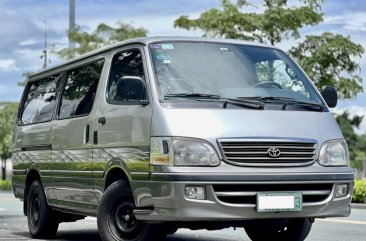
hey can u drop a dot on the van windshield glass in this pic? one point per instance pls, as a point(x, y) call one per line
point(188, 70)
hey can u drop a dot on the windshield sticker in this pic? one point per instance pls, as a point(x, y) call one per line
point(167, 61)
point(162, 56)
point(155, 46)
point(167, 46)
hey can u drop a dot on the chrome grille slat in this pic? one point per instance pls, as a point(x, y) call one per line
point(255, 153)
point(266, 144)
point(247, 193)
point(264, 152)
point(269, 158)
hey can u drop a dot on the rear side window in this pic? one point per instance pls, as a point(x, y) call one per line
point(40, 100)
point(126, 63)
point(79, 90)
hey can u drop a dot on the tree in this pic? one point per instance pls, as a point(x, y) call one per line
point(26, 76)
point(328, 59)
point(8, 112)
point(276, 21)
point(102, 36)
point(360, 159)
point(347, 125)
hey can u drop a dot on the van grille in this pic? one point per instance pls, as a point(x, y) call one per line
point(247, 193)
point(256, 153)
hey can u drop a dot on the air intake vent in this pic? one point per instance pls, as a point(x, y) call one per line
point(247, 193)
point(268, 153)
point(95, 137)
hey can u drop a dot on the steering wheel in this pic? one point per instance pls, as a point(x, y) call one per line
point(267, 84)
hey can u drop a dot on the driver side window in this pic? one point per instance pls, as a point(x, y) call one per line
point(125, 64)
point(279, 72)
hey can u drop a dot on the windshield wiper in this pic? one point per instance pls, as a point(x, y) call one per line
point(287, 101)
point(244, 103)
point(193, 95)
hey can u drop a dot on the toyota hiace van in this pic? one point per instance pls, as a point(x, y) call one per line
point(155, 134)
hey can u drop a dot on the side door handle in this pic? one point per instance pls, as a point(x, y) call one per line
point(102, 120)
point(87, 134)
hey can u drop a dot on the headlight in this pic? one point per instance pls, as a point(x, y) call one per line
point(182, 152)
point(334, 153)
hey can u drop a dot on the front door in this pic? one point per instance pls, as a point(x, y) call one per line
point(123, 123)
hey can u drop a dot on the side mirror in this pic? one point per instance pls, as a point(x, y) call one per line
point(131, 89)
point(330, 96)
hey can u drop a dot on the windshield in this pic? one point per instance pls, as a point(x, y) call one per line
point(201, 69)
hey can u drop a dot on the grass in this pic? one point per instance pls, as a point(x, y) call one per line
point(359, 194)
point(5, 185)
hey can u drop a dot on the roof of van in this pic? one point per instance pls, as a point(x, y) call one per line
point(146, 41)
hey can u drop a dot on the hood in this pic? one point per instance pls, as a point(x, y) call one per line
point(213, 124)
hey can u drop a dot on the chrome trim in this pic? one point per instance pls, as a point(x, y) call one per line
point(98, 173)
point(143, 211)
point(74, 189)
point(69, 171)
point(247, 194)
point(46, 171)
point(19, 171)
point(301, 156)
point(307, 204)
point(143, 175)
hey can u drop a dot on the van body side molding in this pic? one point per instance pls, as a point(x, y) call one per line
point(36, 148)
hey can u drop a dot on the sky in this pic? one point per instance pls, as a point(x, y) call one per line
point(22, 31)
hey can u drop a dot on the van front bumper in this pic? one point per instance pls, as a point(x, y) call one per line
point(166, 200)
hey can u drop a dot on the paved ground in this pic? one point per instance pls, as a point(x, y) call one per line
point(13, 226)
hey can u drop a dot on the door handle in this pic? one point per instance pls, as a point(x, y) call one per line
point(102, 120)
point(87, 136)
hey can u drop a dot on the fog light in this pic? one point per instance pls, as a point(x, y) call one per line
point(195, 193)
point(341, 190)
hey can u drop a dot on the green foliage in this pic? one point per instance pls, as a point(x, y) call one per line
point(359, 193)
point(26, 76)
point(329, 59)
point(8, 112)
point(276, 21)
point(5, 185)
point(347, 125)
point(102, 36)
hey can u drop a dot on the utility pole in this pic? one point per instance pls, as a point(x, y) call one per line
point(44, 55)
point(71, 22)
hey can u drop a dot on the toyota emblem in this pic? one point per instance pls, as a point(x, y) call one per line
point(274, 152)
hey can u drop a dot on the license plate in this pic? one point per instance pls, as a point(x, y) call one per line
point(279, 202)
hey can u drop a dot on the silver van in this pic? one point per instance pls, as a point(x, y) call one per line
point(155, 134)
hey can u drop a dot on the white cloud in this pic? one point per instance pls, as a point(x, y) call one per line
point(355, 110)
point(353, 21)
point(27, 42)
point(8, 65)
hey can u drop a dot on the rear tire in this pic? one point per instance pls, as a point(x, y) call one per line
point(116, 221)
point(41, 220)
point(283, 229)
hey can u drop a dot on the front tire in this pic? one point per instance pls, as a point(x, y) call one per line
point(41, 221)
point(283, 229)
point(116, 221)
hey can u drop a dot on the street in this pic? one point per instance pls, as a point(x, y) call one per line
point(13, 226)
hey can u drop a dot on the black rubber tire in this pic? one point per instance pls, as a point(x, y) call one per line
point(283, 229)
point(42, 222)
point(112, 226)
